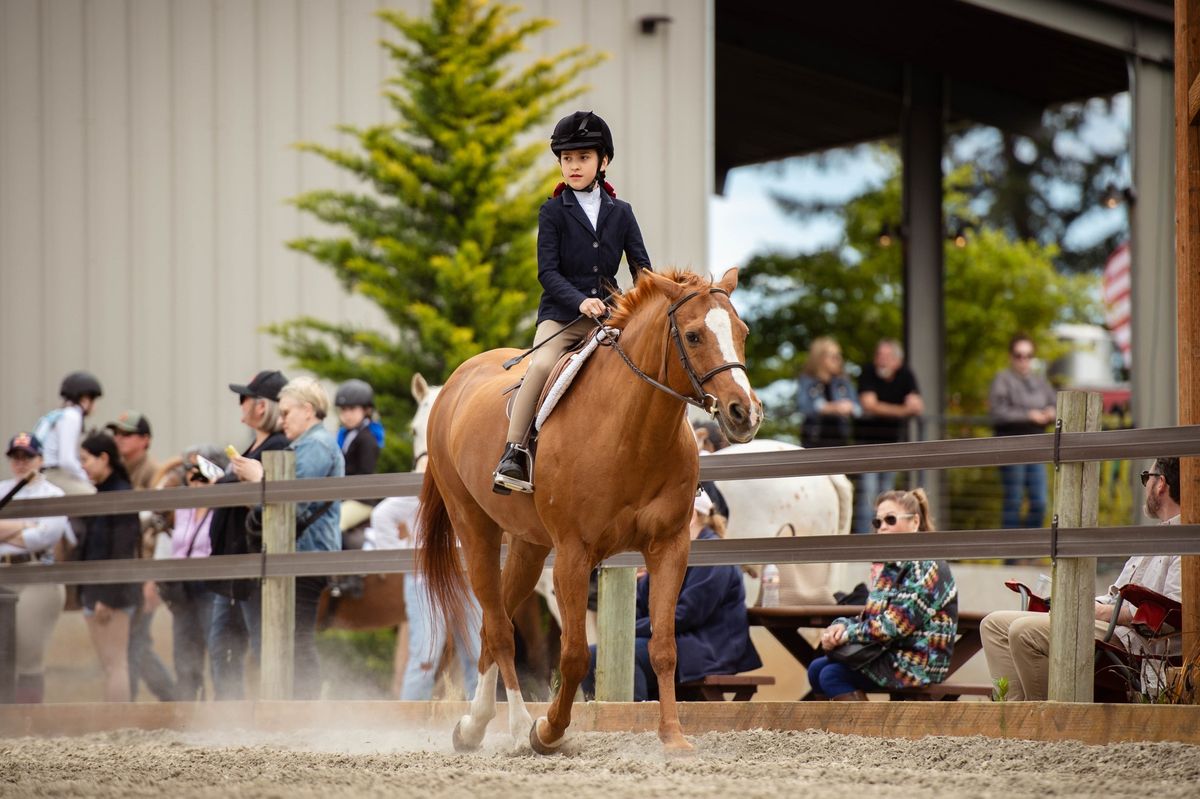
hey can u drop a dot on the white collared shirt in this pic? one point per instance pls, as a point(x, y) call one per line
point(590, 202)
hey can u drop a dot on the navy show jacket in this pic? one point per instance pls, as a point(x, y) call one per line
point(575, 262)
point(712, 632)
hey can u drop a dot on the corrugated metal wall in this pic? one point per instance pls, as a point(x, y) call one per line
point(146, 163)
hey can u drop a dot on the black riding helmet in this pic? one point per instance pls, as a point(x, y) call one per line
point(354, 393)
point(77, 385)
point(582, 130)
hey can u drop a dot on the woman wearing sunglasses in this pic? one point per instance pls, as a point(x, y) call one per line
point(909, 623)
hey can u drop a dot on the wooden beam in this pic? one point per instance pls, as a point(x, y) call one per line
point(1187, 269)
point(616, 610)
point(1076, 504)
point(1193, 101)
point(1038, 721)
point(277, 673)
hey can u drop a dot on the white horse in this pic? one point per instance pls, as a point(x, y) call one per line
point(811, 505)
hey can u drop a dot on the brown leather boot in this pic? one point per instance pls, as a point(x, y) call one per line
point(853, 696)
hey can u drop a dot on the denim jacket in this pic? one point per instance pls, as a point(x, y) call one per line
point(318, 455)
point(819, 430)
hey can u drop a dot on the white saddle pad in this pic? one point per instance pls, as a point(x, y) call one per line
point(574, 364)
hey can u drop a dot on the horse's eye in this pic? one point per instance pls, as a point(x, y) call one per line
point(693, 338)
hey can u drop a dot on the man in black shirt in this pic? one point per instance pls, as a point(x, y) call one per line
point(887, 391)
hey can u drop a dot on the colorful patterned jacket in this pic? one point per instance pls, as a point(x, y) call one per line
point(913, 605)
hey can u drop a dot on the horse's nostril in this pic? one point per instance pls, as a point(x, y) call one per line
point(737, 413)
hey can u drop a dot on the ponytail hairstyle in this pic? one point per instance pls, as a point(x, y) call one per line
point(914, 501)
point(102, 443)
point(717, 522)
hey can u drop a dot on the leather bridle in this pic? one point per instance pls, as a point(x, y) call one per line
point(700, 399)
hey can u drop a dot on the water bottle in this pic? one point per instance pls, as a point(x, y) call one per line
point(770, 586)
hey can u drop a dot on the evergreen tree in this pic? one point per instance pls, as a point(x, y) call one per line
point(441, 236)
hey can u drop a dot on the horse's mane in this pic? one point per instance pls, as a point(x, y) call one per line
point(629, 302)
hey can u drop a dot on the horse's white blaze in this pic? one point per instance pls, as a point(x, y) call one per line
point(720, 323)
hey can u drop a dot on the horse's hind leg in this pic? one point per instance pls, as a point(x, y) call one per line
point(498, 650)
point(571, 569)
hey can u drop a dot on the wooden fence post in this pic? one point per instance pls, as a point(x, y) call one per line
point(1073, 616)
point(616, 610)
point(277, 672)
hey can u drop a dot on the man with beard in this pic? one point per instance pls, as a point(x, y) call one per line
point(1017, 643)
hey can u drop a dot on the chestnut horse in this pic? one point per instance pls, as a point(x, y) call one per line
point(616, 471)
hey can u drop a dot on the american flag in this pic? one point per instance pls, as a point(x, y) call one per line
point(1116, 292)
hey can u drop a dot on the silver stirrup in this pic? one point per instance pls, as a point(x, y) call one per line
point(513, 484)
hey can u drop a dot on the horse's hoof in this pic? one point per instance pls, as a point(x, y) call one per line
point(678, 748)
point(460, 744)
point(535, 740)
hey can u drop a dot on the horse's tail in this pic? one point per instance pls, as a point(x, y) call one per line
point(438, 558)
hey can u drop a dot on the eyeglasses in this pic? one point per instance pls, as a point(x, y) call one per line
point(890, 519)
point(1146, 475)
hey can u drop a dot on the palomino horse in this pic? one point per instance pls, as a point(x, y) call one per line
point(616, 471)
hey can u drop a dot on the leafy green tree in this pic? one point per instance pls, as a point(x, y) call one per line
point(853, 291)
point(440, 234)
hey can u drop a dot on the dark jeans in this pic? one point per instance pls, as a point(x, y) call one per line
point(834, 679)
point(1020, 481)
point(307, 662)
point(645, 682)
point(144, 663)
point(234, 625)
point(189, 634)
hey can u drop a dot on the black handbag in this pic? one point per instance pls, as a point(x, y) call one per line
point(858, 656)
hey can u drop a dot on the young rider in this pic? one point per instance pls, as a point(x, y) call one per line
point(582, 232)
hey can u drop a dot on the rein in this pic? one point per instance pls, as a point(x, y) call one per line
point(702, 400)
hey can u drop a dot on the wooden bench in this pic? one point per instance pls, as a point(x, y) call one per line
point(943, 692)
point(714, 687)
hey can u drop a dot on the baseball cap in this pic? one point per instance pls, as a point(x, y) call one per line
point(264, 385)
point(703, 504)
point(24, 442)
point(130, 422)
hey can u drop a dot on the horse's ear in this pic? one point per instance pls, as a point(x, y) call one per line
point(419, 387)
point(667, 287)
point(728, 280)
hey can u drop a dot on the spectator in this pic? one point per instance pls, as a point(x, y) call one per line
point(826, 397)
point(393, 525)
point(1022, 403)
point(61, 429)
point(303, 405)
point(236, 604)
point(360, 435)
point(889, 396)
point(712, 634)
point(360, 438)
point(710, 439)
point(1017, 643)
point(189, 600)
point(131, 431)
point(32, 541)
point(912, 610)
point(110, 608)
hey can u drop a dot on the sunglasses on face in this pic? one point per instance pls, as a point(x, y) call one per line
point(1023, 356)
point(1146, 475)
point(890, 520)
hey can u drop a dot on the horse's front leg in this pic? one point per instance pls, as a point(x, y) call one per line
point(667, 564)
point(571, 569)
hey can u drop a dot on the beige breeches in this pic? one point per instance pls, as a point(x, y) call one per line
point(38, 609)
point(541, 364)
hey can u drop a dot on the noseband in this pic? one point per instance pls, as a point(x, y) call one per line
point(700, 399)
